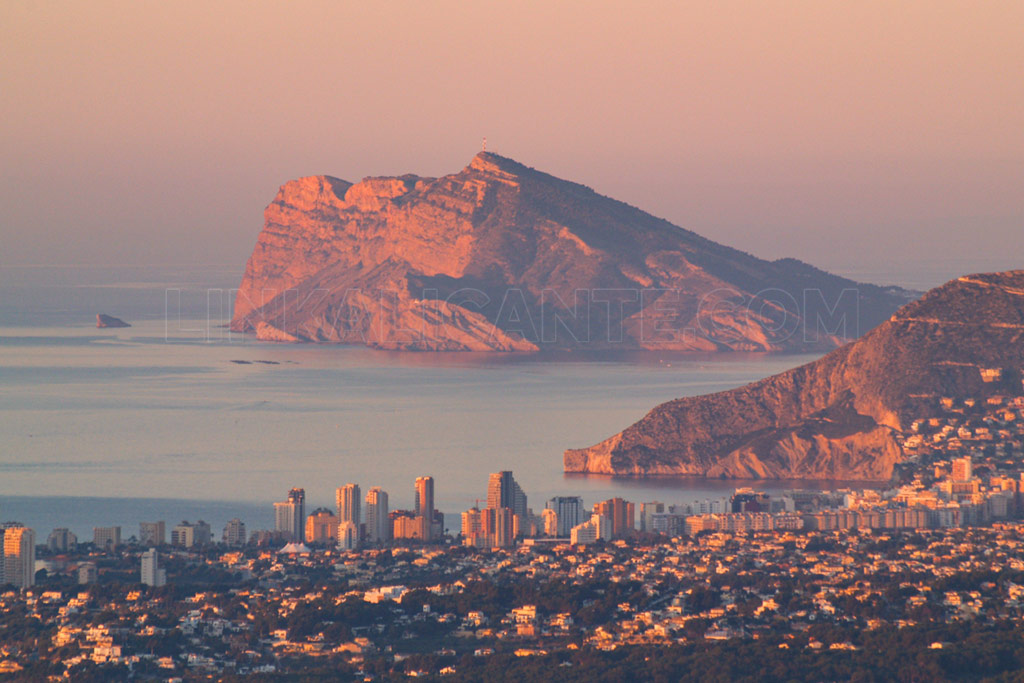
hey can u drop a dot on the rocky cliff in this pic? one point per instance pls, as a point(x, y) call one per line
point(835, 417)
point(502, 257)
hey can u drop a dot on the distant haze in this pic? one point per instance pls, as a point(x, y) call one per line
point(839, 133)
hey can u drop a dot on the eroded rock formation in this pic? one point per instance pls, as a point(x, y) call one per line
point(501, 257)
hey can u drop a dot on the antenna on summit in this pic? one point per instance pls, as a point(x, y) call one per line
point(484, 149)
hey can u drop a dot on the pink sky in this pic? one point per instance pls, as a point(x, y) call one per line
point(836, 132)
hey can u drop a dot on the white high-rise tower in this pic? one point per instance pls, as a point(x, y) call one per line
point(349, 504)
point(378, 525)
point(152, 574)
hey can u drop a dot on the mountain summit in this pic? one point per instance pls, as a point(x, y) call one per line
point(837, 418)
point(502, 257)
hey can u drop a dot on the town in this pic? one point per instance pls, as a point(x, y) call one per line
point(363, 592)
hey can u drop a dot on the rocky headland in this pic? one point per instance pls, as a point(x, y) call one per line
point(838, 417)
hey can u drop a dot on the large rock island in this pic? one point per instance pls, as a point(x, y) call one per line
point(501, 257)
point(836, 418)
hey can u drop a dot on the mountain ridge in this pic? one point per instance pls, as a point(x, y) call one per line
point(939, 345)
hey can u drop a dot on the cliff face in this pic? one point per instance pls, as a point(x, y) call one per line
point(834, 418)
point(505, 258)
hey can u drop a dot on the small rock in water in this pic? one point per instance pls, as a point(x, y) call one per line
point(104, 320)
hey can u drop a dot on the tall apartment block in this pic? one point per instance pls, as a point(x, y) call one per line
point(152, 574)
point(19, 556)
point(378, 525)
point(106, 537)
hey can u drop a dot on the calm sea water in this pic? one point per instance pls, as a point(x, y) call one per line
point(159, 421)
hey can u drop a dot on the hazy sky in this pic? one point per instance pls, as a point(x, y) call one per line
point(836, 132)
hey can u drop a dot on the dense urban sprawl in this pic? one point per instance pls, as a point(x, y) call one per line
point(922, 579)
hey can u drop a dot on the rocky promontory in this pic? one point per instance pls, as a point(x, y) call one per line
point(501, 257)
point(838, 417)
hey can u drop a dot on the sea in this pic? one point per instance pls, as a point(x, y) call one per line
point(176, 418)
